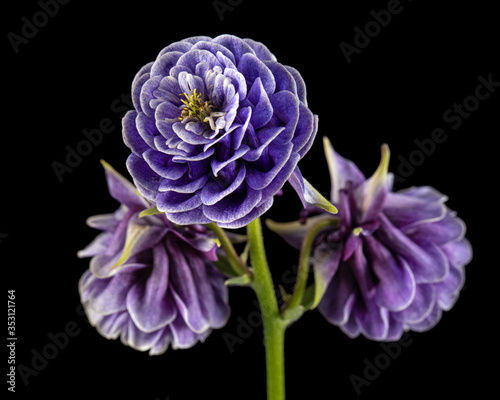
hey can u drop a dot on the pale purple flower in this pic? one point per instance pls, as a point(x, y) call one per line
point(151, 283)
point(394, 262)
point(218, 128)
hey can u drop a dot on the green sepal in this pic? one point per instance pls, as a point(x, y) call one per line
point(245, 253)
point(290, 315)
point(308, 300)
point(224, 266)
point(243, 280)
point(134, 234)
point(284, 295)
point(316, 199)
point(149, 211)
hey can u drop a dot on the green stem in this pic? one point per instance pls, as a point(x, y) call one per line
point(274, 327)
point(305, 253)
point(237, 263)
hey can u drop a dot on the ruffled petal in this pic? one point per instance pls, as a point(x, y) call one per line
point(341, 171)
point(428, 322)
point(427, 261)
point(448, 229)
point(184, 289)
point(122, 190)
point(233, 206)
point(396, 284)
point(421, 306)
point(372, 320)
point(340, 296)
point(148, 303)
point(142, 341)
point(112, 298)
point(406, 210)
point(140, 78)
point(111, 326)
point(182, 335)
point(371, 194)
point(309, 196)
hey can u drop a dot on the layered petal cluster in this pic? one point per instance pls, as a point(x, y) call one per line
point(218, 128)
point(394, 261)
point(150, 283)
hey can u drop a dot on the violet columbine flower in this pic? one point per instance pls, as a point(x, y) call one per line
point(218, 128)
point(394, 261)
point(151, 283)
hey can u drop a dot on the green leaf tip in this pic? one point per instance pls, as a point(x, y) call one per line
point(149, 211)
point(315, 198)
point(243, 280)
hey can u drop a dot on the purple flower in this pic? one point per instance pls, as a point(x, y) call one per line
point(218, 128)
point(394, 261)
point(151, 283)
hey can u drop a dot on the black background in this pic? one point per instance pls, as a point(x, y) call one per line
point(394, 91)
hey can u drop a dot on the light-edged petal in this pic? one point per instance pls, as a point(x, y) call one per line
point(148, 302)
point(294, 232)
point(309, 196)
point(341, 171)
point(396, 285)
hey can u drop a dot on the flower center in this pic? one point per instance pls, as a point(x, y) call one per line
point(195, 108)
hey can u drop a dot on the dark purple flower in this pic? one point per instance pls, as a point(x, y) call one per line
point(395, 260)
point(151, 283)
point(218, 128)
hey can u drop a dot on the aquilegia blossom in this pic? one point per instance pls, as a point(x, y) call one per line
point(151, 283)
point(218, 128)
point(394, 261)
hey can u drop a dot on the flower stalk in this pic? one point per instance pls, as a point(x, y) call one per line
point(238, 265)
point(274, 326)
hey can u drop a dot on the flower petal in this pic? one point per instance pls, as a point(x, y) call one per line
point(194, 216)
point(421, 306)
point(428, 263)
point(111, 326)
point(294, 232)
point(263, 110)
point(340, 296)
point(143, 175)
point(140, 236)
point(132, 336)
point(216, 312)
point(233, 206)
point(147, 301)
point(446, 230)
point(213, 192)
point(371, 194)
point(429, 322)
point(131, 136)
point(309, 196)
point(140, 78)
point(122, 190)
point(406, 211)
point(182, 335)
point(341, 171)
point(184, 288)
point(112, 298)
point(326, 261)
point(256, 212)
point(396, 284)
